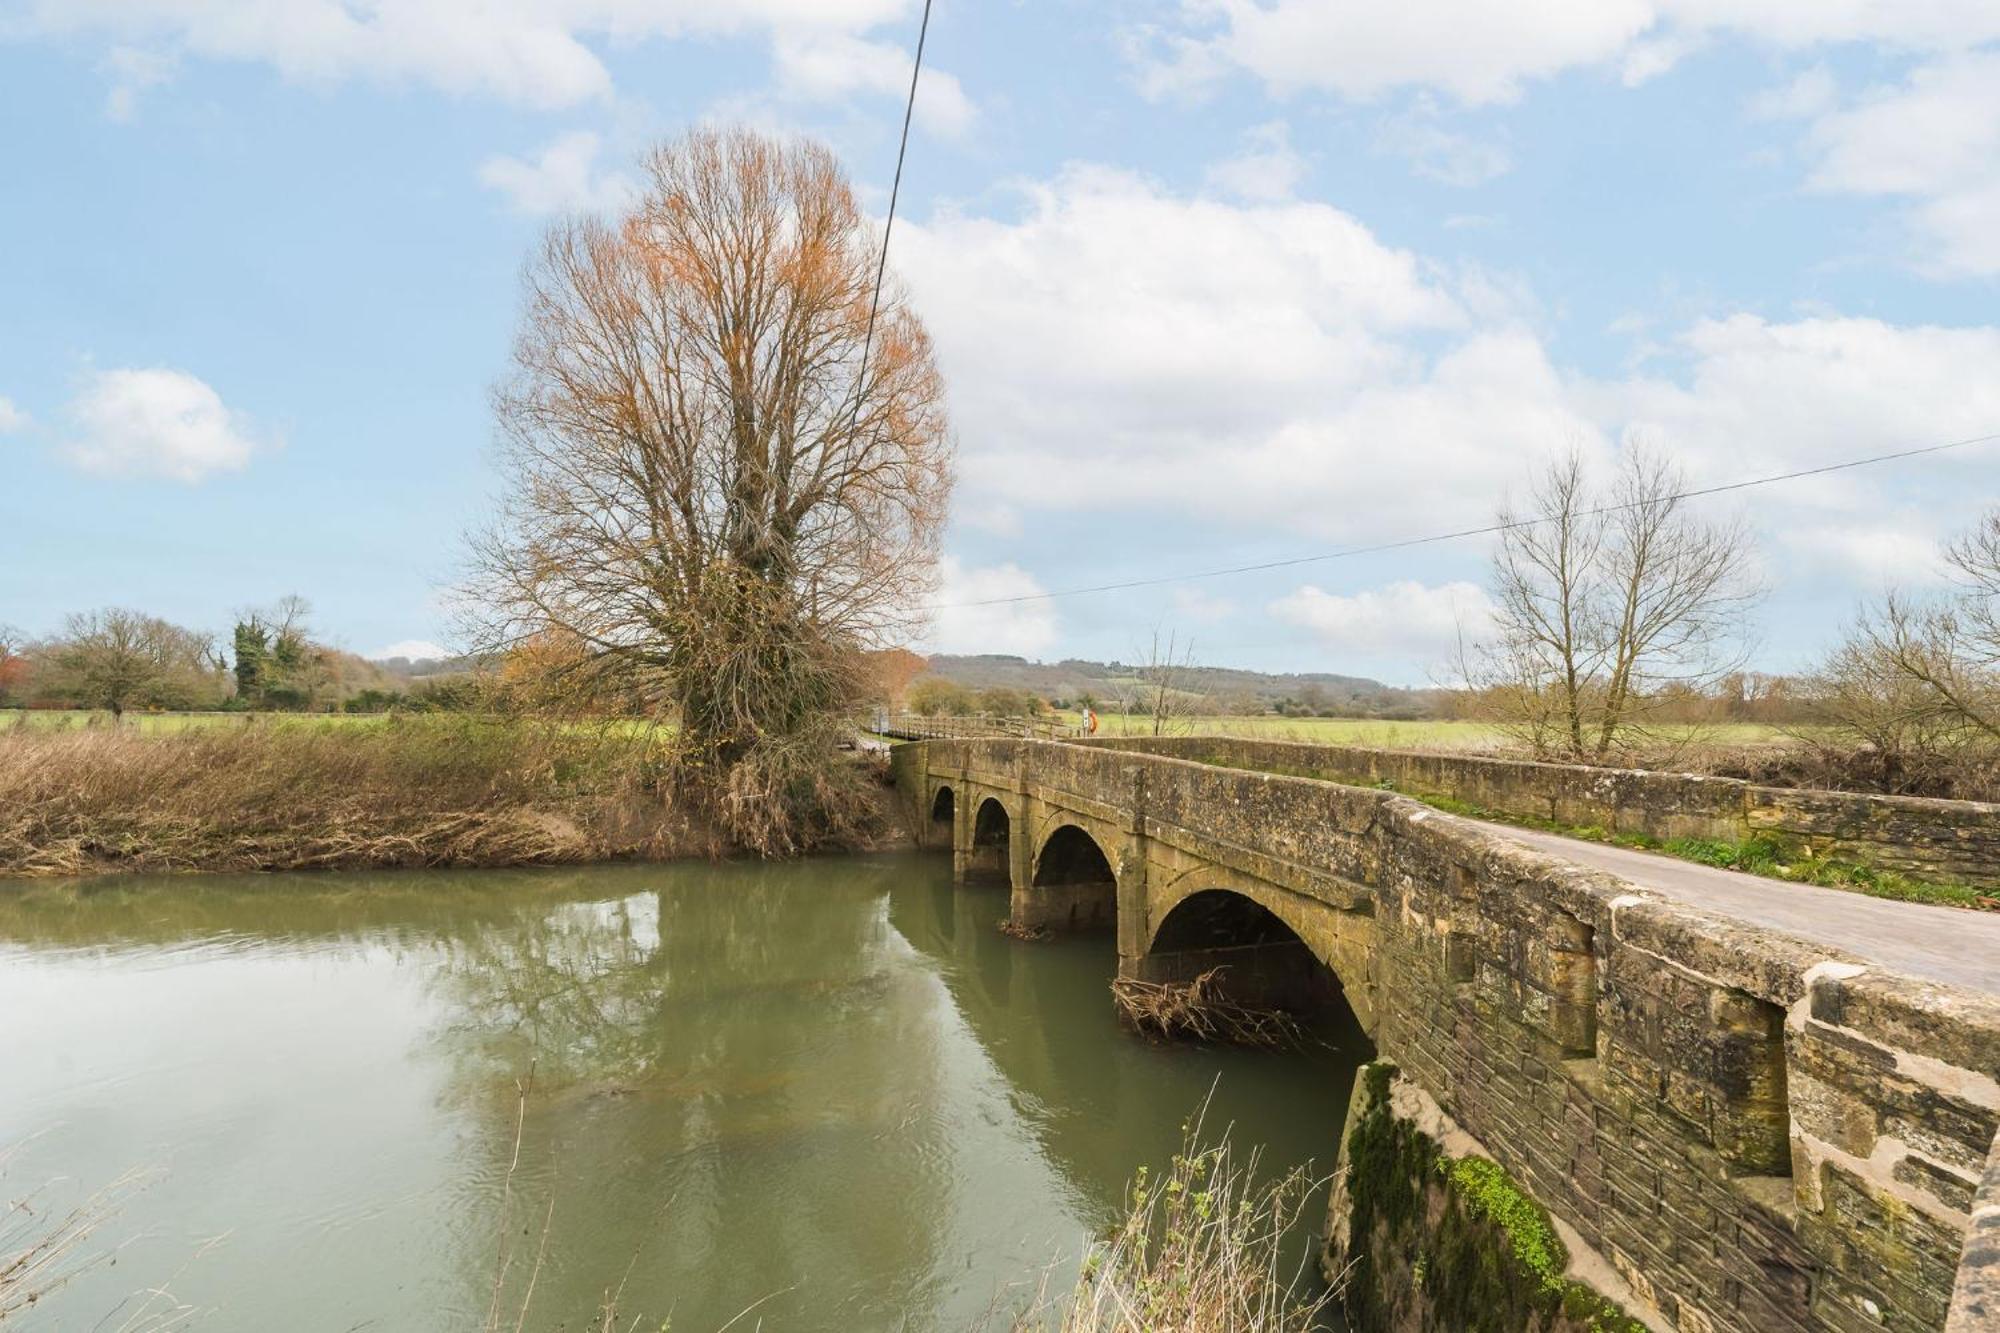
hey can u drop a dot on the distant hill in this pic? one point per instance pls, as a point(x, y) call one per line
point(1232, 690)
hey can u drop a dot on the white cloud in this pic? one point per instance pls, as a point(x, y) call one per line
point(1753, 398)
point(1477, 52)
point(1760, 397)
point(1924, 25)
point(533, 52)
point(1934, 139)
point(132, 71)
point(1027, 628)
point(1439, 154)
point(563, 178)
point(416, 650)
point(1808, 94)
point(156, 423)
point(1267, 171)
point(1406, 619)
point(1871, 554)
point(827, 66)
point(1274, 365)
point(1274, 369)
point(12, 418)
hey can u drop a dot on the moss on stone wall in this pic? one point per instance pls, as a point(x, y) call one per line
point(1452, 1243)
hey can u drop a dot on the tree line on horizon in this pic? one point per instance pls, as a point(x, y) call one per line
point(118, 660)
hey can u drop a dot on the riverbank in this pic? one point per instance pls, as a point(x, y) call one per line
point(406, 792)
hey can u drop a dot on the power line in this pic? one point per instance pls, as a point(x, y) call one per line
point(888, 225)
point(1434, 538)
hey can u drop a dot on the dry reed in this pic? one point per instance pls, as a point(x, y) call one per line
point(413, 792)
point(1203, 1249)
point(45, 1246)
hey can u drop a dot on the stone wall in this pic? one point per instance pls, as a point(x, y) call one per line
point(1975, 1306)
point(1754, 1133)
point(1946, 841)
point(1426, 1232)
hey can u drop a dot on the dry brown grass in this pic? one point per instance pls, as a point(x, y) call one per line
point(433, 791)
point(1203, 1248)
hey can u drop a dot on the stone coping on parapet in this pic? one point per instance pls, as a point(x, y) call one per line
point(1926, 838)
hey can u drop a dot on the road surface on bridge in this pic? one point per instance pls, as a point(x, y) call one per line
point(1950, 944)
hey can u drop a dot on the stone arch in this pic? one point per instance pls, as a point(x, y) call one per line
point(1277, 946)
point(943, 815)
point(992, 844)
point(1073, 885)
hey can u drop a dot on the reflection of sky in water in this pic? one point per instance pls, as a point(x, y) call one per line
point(829, 1084)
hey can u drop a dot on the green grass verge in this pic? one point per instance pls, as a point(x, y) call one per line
point(1756, 855)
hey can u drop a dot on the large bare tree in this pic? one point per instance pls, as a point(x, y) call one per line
point(1605, 600)
point(725, 479)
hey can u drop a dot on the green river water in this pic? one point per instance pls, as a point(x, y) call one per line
point(827, 1089)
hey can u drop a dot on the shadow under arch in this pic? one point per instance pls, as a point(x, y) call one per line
point(1074, 886)
point(992, 837)
point(1258, 959)
point(944, 810)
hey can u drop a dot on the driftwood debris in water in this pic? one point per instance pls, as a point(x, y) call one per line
point(1196, 1011)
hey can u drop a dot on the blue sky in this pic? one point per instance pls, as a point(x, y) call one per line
point(1212, 283)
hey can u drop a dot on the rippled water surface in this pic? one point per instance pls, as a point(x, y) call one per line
point(830, 1087)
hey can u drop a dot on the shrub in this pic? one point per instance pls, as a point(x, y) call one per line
point(934, 696)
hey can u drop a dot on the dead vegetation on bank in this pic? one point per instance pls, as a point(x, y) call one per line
point(1209, 1246)
point(411, 793)
point(1199, 1011)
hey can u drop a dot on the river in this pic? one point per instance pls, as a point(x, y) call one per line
point(829, 1090)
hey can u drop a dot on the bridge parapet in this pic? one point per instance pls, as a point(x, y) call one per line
point(1955, 841)
point(1754, 1132)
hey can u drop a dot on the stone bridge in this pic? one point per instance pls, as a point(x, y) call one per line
point(1732, 1129)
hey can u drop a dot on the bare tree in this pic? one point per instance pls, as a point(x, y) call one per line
point(1607, 601)
point(115, 659)
point(1916, 683)
point(720, 482)
point(1164, 695)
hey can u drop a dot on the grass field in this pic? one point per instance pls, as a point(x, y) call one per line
point(1434, 734)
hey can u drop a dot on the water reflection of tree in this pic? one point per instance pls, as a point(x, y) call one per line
point(611, 991)
point(393, 909)
point(735, 1068)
